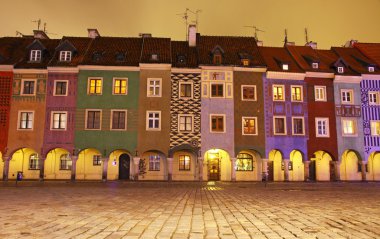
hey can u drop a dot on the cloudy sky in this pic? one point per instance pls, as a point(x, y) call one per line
point(329, 22)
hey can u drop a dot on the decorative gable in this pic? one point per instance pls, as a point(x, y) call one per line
point(340, 65)
point(36, 51)
point(245, 58)
point(217, 55)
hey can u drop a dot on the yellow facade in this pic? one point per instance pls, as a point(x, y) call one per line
point(114, 163)
point(255, 174)
point(349, 167)
point(52, 169)
point(181, 173)
point(374, 167)
point(322, 166)
point(158, 171)
point(20, 162)
point(1, 165)
point(224, 170)
point(298, 172)
point(86, 169)
point(276, 157)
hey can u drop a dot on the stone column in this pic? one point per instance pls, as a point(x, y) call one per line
point(74, 160)
point(136, 170)
point(6, 160)
point(233, 170)
point(337, 170)
point(170, 169)
point(306, 170)
point(265, 170)
point(286, 170)
point(200, 163)
point(364, 172)
point(105, 168)
point(41, 162)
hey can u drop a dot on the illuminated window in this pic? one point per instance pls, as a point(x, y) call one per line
point(58, 120)
point(35, 55)
point(371, 69)
point(65, 56)
point(154, 57)
point(184, 163)
point(185, 90)
point(65, 162)
point(340, 69)
point(347, 96)
point(154, 87)
point(244, 162)
point(373, 98)
point(245, 62)
point(349, 127)
point(249, 125)
point(278, 92)
point(285, 67)
point(96, 160)
point(315, 65)
point(296, 93)
point(217, 123)
point(119, 119)
point(153, 120)
point(34, 163)
point(322, 127)
point(154, 163)
point(93, 119)
point(120, 86)
point(95, 86)
point(298, 126)
point(248, 92)
point(375, 127)
point(60, 88)
point(185, 123)
point(320, 93)
point(26, 120)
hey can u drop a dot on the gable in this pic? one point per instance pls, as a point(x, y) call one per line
point(66, 46)
point(36, 45)
point(217, 49)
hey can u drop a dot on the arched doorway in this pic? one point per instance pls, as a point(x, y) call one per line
point(218, 165)
point(297, 168)
point(58, 164)
point(349, 166)
point(248, 166)
point(89, 165)
point(320, 168)
point(124, 166)
point(275, 166)
point(374, 166)
point(119, 165)
point(27, 161)
point(1, 166)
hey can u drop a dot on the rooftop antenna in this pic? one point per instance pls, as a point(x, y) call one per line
point(255, 31)
point(286, 36)
point(185, 16)
point(196, 13)
point(306, 35)
point(47, 32)
point(19, 34)
point(38, 23)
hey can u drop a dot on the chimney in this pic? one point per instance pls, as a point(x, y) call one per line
point(290, 43)
point(93, 33)
point(39, 34)
point(350, 43)
point(312, 44)
point(192, 35)
point(145, 35)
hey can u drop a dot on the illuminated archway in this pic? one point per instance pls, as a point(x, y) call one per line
point(248, 166)
point(89, 165)
point(297, 169)
point(374, 166)
point(114, 168)
point(275, 166)
point(153, 166)
point(1, 166)
point(58, 164)
point(24, 160)
point(349, 166)
point(218, 165)
point(320, 166)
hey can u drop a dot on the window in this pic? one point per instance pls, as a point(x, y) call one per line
point(278, 92)
point(248, 92)
point(217, 123)
point(373, 98)
point(65, 56)
point(315, 65)
point(217, 59)
point(96, 160)
point(154, 87)
point(26, 120)
point(340, 69)
point(349, 127)
point(347, 96)
point(285, 67)
point(95, 86)
point(154, 57)
point(93, 119)
point(296, 93)
point(298, 126)
point(375, 127)
point(185, 90)
point(322, 127)
point(184, 163)
point(185, 123)
point(154, 163)
point(60, 88)
point(58, 120)
point(320, 93)
point(28, 87)
point(65, 162)
point(279, 124)
point(245, 62)
point(153, 120)
point(244, 162)
point(118, 121)
point(35, 55)
point(249, 125)
point(120, 86)
point(34, 163)
point(371, 69)
point(217, 90)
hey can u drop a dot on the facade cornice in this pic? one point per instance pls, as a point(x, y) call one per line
point(155, 66)
point(217, 68)
point(319, 74)
point(347, 79)
point(63, 69)
point(260, 69)
point(30, 71)
point(186, 70)
point(6, 67)
point(285, 75)
point(370, 77)
point(109, 68)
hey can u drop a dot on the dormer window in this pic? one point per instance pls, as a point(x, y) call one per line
point(217, 59)
point(181, 59)
point(65, 56)
point(154, 57)
point(96, 56)
point(340, 69)
point(35, 55)
point(315, 65)
point(245, 62)
point(371, 69)
point(120, 57)
point(285, 66)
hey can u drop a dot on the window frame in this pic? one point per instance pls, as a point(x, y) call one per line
point(224, 123)
point(371, 69)
point(147, 120)
point(100, 120)
point(184, 163)
point(377, 94)
point(323, 88)
point(52, 120)
point(274, 125)
point(315, 65)
point(303, 125)
point(291, 93)
point(154, 162)
point(67, 159)
point(97, 160)
point(159, 85)
point(114, 79)
point(37, 162)
point(34, 87)
point(191, 90)
point(285, 66)
point(19, 120)
point(283, 92)
point(217, 83)
point(340, 69)
point(63, 55)
point(241, 158)
point(89, 85)
point(37, 57)
point(351, 94)
point(355, 127)
point(374, 122)
point(125, 119)
point(192, 123)
point(242, 125)
point(248, 86)
point(55, 87)
point(323, 119)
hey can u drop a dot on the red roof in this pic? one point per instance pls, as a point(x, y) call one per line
point(371, 50)
point(156, 46)
point(305, 56)
point(356, 60)
point(330, 58)
point(183, 56)
point(81, 45)
point(274, 57)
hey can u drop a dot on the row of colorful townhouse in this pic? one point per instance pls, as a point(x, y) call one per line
point(210, 108)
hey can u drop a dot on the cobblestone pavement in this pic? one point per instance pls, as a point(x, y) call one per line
point(189, 210)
